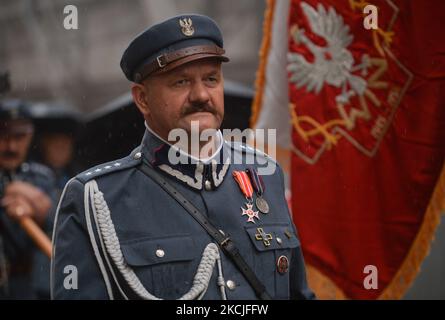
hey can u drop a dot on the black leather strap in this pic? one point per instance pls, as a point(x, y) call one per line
point(226, 244)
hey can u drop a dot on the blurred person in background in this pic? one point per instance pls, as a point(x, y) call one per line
point(57, 128)
point(26, 191)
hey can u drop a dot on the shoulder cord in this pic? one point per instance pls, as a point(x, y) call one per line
point(210, 256)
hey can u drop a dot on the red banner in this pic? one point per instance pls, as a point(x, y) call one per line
point(368, 136)
point(368, 114)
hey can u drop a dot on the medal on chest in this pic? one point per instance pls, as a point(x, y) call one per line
point(258, 186)
point(243, 181)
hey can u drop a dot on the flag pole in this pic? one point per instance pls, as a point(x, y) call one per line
point(37, 235)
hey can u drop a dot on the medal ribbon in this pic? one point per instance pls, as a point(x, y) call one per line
point(243, 181)
point(256, 181)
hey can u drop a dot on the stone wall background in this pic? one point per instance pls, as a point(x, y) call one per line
point(81, 67)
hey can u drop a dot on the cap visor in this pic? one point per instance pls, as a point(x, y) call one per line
point(188, 59)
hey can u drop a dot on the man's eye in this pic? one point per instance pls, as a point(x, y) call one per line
point(181, 82)
point(212, 80)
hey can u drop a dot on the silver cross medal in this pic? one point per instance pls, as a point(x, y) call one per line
point(250, 212)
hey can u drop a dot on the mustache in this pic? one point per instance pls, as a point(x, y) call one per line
point(9, 154)
point(201, 107)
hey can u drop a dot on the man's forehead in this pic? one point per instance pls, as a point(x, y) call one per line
point(20, 126)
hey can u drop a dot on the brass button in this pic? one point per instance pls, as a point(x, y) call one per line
point(160, 253)
point(208, 185)
point(137, 156)
point(279, 240)
point(231, 284)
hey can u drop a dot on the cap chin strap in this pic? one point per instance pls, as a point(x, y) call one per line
point(164, 60)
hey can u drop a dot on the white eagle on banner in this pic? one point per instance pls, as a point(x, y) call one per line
point(334, 63)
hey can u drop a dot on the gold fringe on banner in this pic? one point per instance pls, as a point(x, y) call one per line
point(421, 245)
point(322, 286)
point(264, 54)
point(325, 288)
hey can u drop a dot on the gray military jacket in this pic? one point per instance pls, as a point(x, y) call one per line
point(119, 235)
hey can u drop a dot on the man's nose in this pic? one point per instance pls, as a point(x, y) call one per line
point(11, 144)
point(199, 93)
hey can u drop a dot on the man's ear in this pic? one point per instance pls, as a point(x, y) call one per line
point(139, 92)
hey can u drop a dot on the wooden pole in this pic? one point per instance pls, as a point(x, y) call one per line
point(40, 238)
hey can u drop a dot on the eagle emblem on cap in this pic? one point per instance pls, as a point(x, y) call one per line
point(187, 26)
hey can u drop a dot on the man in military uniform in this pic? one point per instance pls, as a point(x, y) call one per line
point(143, 227)
point(26, 189)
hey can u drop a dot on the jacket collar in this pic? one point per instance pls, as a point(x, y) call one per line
point(199, 174)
